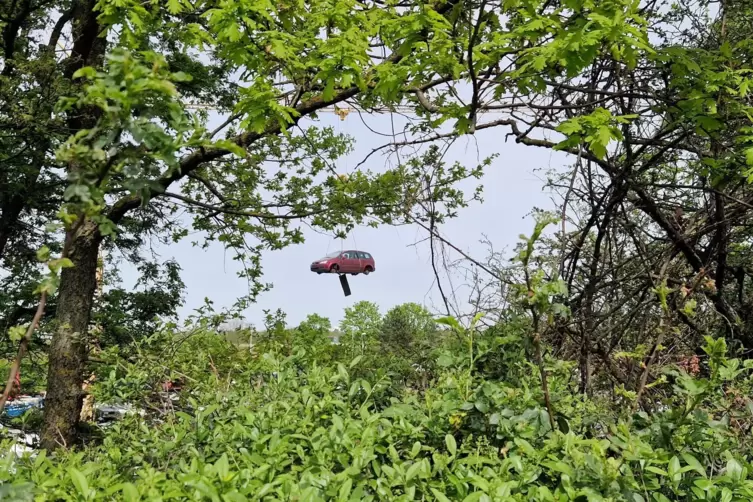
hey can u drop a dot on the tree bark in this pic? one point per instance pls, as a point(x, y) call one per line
point(67, 356)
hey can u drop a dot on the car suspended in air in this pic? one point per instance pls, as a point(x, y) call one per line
point(351, 262)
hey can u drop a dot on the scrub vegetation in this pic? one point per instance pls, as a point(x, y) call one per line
point(606, 358)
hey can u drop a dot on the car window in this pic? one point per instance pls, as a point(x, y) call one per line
point(366, 256)
point(346, 256)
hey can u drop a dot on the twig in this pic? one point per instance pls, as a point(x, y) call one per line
point(445, 241)
point(537, 347)
point(564, 212)
point(663, 327)
point(434, 265)
point(544, 380)
point(23, 346)
point(227, 122)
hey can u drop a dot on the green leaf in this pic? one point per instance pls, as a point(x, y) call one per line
point(86, 72)
point(16, 333)
point(516, 462)
point(734, 470)
point(563, 424)
point(463, 125)
point(477, 318)
point(694, 464)
point(545, 494)
point(345, 489)
point(355, 362)
point(559, 466)
point(174, 6)
point(451, 322)
point(445, 360)
point(57, 265)
point(726, 495)
point(656, 470)
point(599, 150)
point(329, 89)
point(452, 446)
point(674, 469)
point(604, 136)
point(232, 147)
point(441, 497)
point(223, 467)
point(79, 481)
point(180, 76)
point(482, 405)
point(413, 471)
point(749, 157)
point(80, 192)
point(130, 493)
point(232, 32)
point(570, 127)
point(43, 254)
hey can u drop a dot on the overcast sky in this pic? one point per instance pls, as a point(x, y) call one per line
point(513, 185)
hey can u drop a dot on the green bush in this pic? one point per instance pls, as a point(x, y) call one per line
point(271, 427)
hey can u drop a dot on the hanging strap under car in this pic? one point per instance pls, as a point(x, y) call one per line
point(344, 284)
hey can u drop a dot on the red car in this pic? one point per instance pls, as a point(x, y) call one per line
point(345, 262)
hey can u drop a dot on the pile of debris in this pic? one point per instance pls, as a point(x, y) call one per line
point(24, 442)
point(17, 406)
point(102, 414)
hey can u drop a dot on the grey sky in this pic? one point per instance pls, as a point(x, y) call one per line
point(512, 187)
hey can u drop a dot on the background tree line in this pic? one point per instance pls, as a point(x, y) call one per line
point(404, 341)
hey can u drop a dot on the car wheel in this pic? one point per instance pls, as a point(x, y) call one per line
point(367, 271)
point(334, 269)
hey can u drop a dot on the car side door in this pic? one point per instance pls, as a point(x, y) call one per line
point(346, 263)
point(355, 262)
point(362, 260)
point(367, 261)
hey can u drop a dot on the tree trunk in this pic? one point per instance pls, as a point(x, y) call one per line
point(67, 357)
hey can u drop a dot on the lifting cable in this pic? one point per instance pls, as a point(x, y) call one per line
point(342, 113)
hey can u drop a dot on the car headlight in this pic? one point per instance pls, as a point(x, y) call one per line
point(322, 263)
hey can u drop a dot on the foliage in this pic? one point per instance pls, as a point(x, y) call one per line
point(122, 316)
point(408, 339)
point(128, 147)
point(313, 334)
point(100, 149)
point(360, 327)
point(267, 427)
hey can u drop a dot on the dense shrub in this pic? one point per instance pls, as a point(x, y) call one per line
point(272, 427)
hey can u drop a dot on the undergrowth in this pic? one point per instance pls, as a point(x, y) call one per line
point(269, 426)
